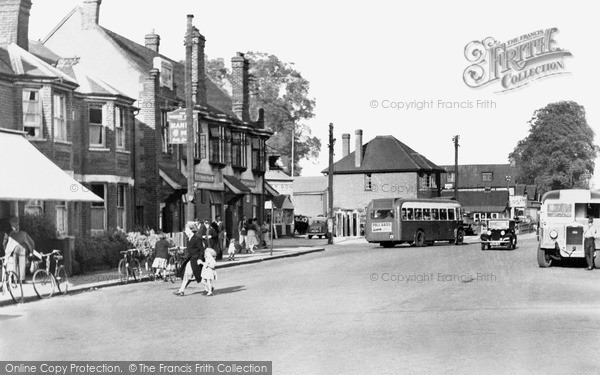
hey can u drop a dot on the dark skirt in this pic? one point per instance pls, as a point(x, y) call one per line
point(196, 268)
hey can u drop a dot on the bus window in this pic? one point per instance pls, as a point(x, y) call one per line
point(443, 214)
point(404, 214)
point(584, 210)
point(559, 209)
point(451, 214)
point(435, 214)
point(418, 214)
point(382, 214)
point(426, 214)
point(409, 214)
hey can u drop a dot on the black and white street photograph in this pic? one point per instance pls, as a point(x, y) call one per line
point(267, 187)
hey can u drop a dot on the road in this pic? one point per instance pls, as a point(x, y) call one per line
point(353, 309)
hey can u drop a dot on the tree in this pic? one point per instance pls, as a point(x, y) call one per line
point(559, 151)
point(281, 90)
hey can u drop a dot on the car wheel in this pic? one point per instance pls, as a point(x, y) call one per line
point(309, 236)
point(544, 259)
point(482, 246)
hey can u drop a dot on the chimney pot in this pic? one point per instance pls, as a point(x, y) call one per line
point(358, 153)
point(345, 144)
point(153, 41)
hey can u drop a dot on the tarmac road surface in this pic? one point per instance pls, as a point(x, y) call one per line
point(352, 309)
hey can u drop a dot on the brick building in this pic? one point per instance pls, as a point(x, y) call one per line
point(229, 157)
point(491, 190)
point(382, 168)
point(52, 100)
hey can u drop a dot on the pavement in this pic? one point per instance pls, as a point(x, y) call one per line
point(110, 277)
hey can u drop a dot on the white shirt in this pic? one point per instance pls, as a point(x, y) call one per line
point(590, 232)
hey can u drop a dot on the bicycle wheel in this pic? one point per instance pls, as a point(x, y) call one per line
point(43, 283)
point(62, 280)
point(123, 273)
point(15, 287)
point(134, 268)
point(170, 271)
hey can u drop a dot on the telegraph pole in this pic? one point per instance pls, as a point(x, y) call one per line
point(330, 188)
point(455, 140)
point(189, 118)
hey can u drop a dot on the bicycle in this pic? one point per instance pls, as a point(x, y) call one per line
point(174, 264)
point(10, 281)
point(129, 266)
point(44, 280)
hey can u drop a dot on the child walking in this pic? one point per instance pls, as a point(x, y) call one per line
point(231, 249)
point(208, 271)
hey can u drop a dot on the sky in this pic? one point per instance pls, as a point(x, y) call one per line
point(363, 59)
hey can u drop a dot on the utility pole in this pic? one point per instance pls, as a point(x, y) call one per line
point(455, 140)
point(330, 187)
point(189, 118)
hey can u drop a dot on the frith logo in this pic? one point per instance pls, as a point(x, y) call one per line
point(515, 63)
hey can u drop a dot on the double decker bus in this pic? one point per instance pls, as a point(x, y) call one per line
point(419, 222)
point(563, 218)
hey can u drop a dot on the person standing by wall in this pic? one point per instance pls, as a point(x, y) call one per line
point(253, 231)
point(589, 243)
point(220, 244)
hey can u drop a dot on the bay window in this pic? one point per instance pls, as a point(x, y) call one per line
point(97, 129)
point(32, 113)
point(59, 116)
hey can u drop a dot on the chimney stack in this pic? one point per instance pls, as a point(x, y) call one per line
point(358, 153)
point(14, 23)
point(90, 14)
point(198, 68)
point(345, 144)
point(240, 87)
point(153, 41)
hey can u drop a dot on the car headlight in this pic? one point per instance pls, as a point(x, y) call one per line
point(502, 233)
point(489, 232)
point(553, 234)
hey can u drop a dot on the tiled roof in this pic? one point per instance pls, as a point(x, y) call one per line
point(15, 60)
point(310, 184)
point(385, 154)
point(470, 175)
point(143, 57)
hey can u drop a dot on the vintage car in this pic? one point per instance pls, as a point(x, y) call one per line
point(499, 232)
point(317, 227)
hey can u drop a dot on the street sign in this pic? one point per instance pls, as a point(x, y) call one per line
point(178, 125)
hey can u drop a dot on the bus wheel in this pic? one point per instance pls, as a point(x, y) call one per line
point(387, 244)
point(544, 260)
point(460, 237)
point(419, 238)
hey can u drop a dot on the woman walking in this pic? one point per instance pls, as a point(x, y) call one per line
point(193, 264)
point(253, 231)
